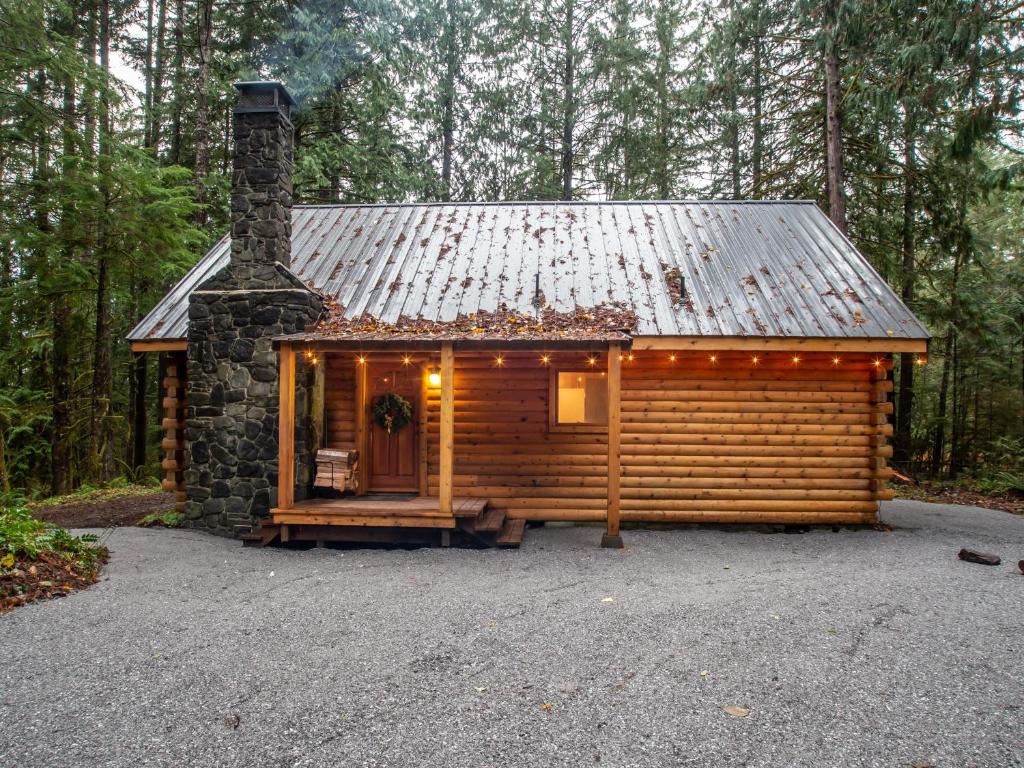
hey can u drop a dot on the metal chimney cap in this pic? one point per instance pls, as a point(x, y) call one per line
point(263, 95)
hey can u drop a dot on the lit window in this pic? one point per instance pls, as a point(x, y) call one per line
point(581, 398)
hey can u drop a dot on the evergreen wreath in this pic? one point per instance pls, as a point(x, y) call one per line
point(392, 412)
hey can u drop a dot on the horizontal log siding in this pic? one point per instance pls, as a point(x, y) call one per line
point(339, 402)
point(701, 442)
point(734, 441)
point(504, 451)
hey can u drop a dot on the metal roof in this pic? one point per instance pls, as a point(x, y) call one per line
point(751, 268)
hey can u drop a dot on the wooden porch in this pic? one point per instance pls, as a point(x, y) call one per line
point(427, 502)
point(421, 519)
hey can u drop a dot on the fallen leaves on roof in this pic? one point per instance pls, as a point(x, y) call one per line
point(604, 321)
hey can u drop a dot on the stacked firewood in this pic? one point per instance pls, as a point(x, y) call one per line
point(337, 469)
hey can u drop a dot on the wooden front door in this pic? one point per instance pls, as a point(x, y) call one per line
point(394, 458)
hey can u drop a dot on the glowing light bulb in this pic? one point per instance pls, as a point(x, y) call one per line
point(672, 358)
point(920, 360)
point(545, 359)
point(713, 358)
point(361, 360)
point(796, 360)
point(434, 377)
point(499, 360)
point(592, 360)
point(755, 359)
point(835, 361)
point(406, 360)
point(630, 357)
point(877, 363)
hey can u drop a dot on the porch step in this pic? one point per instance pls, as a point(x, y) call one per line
point(262, 536)
point(469, 507)
point(490, 521)
point(511, 533)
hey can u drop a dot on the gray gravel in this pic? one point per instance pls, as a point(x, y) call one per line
point(857, 648)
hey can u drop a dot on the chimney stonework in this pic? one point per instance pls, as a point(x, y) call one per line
point(231, 433)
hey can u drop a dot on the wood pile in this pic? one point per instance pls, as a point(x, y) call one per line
point(337, 469)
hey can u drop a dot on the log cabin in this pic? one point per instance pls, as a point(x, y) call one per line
point(474, 366)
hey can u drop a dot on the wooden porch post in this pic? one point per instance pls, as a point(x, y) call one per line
point(286, 429)
point(447, 427)
point(612, 539)
point(362, 429)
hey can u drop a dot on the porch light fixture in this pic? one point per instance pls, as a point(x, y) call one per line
point(434, 376)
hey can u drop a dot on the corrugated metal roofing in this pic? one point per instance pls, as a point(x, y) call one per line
point(751, 268)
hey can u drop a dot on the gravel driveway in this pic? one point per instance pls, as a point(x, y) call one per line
point(854, 648)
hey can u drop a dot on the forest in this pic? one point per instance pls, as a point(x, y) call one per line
point(901, 119)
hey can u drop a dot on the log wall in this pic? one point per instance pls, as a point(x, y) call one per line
point(172, 387)
point(717, 437)
point(727, 440)
point(339, 402)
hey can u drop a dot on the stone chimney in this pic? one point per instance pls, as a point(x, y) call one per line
point(261, 185)
point(232, 398)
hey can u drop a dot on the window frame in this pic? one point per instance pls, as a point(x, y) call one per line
point(553, 423)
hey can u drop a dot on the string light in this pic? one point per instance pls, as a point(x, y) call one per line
point(630, 357)
point(545, 359)
point(755, 359)
point(796, 359)
point(877, 363)
point(920, 360)
point(713, 359)
point(592, 360)
point(361, 360)
point(672, 358)
point(499, 361)
point(406, 360)
point(315, 360)
point(835, 361)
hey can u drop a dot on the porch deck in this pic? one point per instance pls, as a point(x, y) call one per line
point(384, 511)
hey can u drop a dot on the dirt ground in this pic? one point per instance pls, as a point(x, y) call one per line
point(105, 511)
point(935, 494)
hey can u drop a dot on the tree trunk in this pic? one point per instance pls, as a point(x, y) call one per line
point(448, 101)
point(757, 128)
point(60, 329)
point(939, 440)
point(147, 96)
point(568, 101)
point(100, 442)
point(902, 437)
point(834, 126)
point(663, 69)
point(732, 134)
point(178, 81)
point(202, 164)
point(158, 78)
point(139, 412)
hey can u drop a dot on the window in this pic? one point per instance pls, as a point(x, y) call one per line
point(579, 399)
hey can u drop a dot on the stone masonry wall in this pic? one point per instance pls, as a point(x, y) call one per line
point(233, 404)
